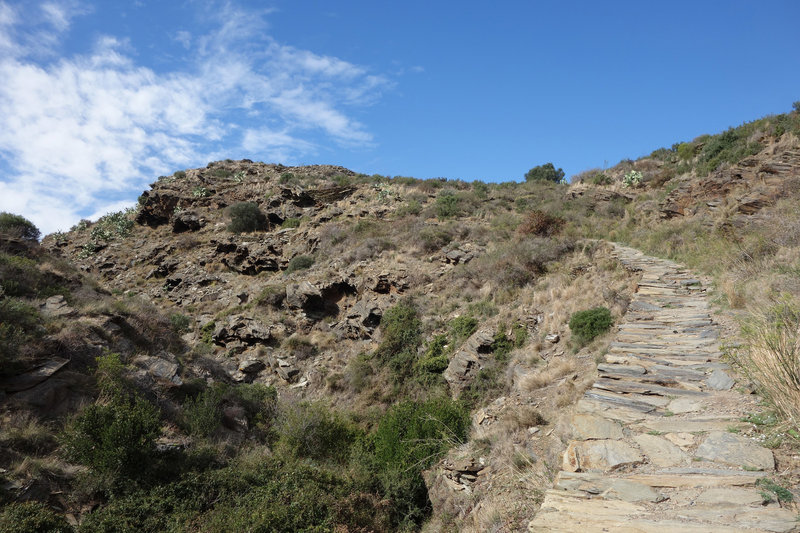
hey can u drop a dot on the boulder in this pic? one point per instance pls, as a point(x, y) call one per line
point(187, 221)
point(471, 358)
point(304, 296)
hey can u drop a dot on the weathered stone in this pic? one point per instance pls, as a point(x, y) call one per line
point(160, 368)
point(681, 439)
point(728, 497)
point(552, 338)
point(588, 426)
point(719, 380)
point(56, 306)
point(659, 451)
point(187, 221)
point(470, 359)
point(600, 455)
point(736, 450)
point(251, 366)
point(303, 295)
point(32, 378)
point(684, 405)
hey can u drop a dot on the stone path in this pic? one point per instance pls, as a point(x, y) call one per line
point(656, 441)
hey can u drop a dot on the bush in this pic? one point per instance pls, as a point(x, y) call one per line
point(291, 223)
point(632, 179)
point(434, 238)
point(300, 262)
point(540, 223)
point(246, 217)
point(115, 438)
point(314, 431)
point(602, 178)
point(546, 172)
point(409, 438)
point(112, 225)
point(462, 327)
point(588, 324)
point(18, 322)
point(202, 415)
point(32, 517)
point(19, 227)
point(402, 336)
point(447, 205)
point(796, 106)
point(180, 322)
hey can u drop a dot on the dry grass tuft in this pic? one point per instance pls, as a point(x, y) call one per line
point(548, 375)
point(772, 357)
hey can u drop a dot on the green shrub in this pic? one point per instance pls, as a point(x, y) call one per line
point(447, 204)
point(116, 437)
point(462, 327)
point(18, 226)
point(686, 151)
point(434, 238)
point(602, 178)
point(299, 346)
point(300, 262)
point(246, 217)
point(32, 517)
point(796, 106)
point(291, 223)
point(18, 322)
point(588, 324)
point(632, 179)
point(201, 192)
point(546, 172)
point(287, 177)
point(179, 175)
point(409, 438)
point(112, 225)
point(402, 336)
point(202, 414)
point(180, 322)
point(314, 431)
point(411, 207)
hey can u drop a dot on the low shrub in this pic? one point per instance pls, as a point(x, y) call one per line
point(588, 324)
point(180, 323)
point(540, 223)
point(447, 205)
point(409, 438)
point(18, 226)
point(402, 335)
point(300, 262)
point(546, 172)
point(314, 431)
point(434, 238)
point(246, 217)
point(30, 517)
point(462, 327)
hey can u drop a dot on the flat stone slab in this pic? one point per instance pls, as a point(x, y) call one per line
point(676, 425)
point(729, 497)
point(607, 487)
point(720, 380)
point(600, 455)
point(736, 450)
point(30, 379)
point(660, 451)
point(588, 426)
point(685, 405)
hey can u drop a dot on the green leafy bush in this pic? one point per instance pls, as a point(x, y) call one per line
point(447, 204)
point(291, 223)
point(462, 327)
point(31, 517)
point(546, 172)
point(18, 226)
point(632, 179)
point(314, 431)
point(409, 438)
point(246, 217)
point(18, 322)
point(300, 262)
point(180, 322)
point(112, 225)
point(402, 336)
point(602, 178)
point(588, 324)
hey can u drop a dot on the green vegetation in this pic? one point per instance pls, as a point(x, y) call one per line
point(246, 217)
point(588, 324)
point(402, 336)
point(546, 172)
point(409, 439)
point(300, 262)
point(291, 223)
point(771, 491)
point(18, 226)
point(447, 205)
point(111, 226)
point(32, 517)
point(115, 436)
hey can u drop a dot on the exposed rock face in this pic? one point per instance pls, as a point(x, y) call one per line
point(470, 359)
point(241, 330)
point(751, 185)
point(250, 258)
point(157, 206)
point(187, 221)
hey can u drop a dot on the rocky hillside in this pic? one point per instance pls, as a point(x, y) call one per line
point(401, 349)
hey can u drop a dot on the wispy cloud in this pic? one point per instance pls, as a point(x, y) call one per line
point(87, 131)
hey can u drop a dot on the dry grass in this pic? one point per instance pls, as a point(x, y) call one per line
point(548, 375)
point(772, 357)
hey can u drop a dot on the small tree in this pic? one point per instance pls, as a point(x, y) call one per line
point(796, 106)
point(246, 217)
point(546, 172)
point(18, 226)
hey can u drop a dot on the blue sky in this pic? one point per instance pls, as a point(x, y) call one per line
point(99, 98)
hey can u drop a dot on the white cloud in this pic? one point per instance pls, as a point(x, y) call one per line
point(83, 133)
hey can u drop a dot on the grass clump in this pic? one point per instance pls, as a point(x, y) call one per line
point(771, 360)
point(588, 324)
